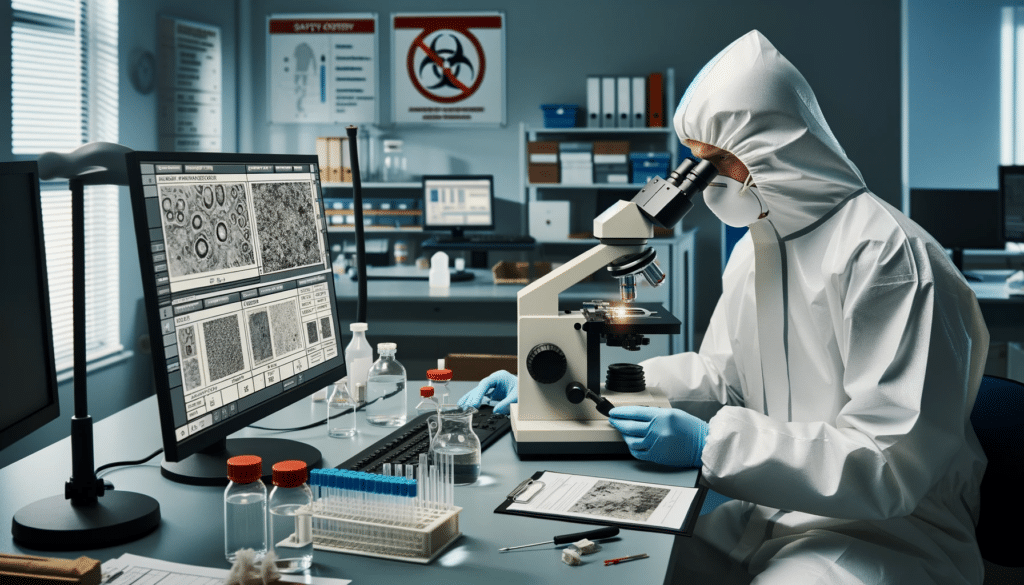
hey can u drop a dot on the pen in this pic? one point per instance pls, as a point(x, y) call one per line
point(611, 562)
point(568, 538)
point(112, 576)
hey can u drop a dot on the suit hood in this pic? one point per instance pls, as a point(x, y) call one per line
point(752, 102)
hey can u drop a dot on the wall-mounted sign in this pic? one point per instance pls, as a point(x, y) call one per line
point(449, 69)
point(191, 88)
point(322, 68)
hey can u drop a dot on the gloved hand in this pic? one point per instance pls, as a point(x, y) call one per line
point(663, 435)
point(500, 386)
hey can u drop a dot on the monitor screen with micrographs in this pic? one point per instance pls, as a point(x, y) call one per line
point(239, 288)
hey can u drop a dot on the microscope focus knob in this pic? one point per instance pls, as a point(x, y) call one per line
point(546, 363)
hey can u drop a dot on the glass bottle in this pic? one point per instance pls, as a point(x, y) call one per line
point(440, 378)
point(291, 517)
point(385, 389)
point(245, 507)
point(428, 404)
point(358, 359)
point(341, 400)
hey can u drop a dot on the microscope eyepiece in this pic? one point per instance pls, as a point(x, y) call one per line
point(666, 201)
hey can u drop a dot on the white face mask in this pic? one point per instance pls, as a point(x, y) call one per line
point(736, 204)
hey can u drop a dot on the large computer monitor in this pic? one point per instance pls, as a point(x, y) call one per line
point(960, 218)
point(28, 394)
point(239, 297)
point(458, 203)
point(1011, 185)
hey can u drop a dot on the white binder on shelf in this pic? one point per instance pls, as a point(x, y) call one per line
point(639, 104)
point(622, 99)
point(593, 102)
point(608, 102)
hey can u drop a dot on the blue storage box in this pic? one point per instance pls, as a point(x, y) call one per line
point(559, 115)
point(647, 165)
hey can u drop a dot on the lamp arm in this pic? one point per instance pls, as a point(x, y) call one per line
point(95, 163)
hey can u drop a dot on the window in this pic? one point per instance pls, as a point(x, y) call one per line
point(64, 94)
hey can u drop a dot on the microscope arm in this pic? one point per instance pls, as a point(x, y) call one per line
point(541, 297)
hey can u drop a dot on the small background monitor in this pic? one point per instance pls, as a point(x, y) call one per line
point(1011, 186)
point(28, 392)
point(458, 203)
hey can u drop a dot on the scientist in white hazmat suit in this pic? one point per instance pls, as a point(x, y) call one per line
point(840, 366)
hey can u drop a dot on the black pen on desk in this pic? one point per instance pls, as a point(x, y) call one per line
point(570, 538)
point(112, 576)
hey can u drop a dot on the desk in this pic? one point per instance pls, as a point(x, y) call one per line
point(1003, 312)
point(192, 524)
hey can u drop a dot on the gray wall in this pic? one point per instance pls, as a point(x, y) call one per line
point(849, 52)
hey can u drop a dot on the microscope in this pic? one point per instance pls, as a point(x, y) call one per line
point(563, 408)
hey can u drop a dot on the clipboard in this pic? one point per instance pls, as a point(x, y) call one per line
point(607, 502)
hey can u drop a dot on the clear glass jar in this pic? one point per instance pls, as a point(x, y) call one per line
point(456, 440)
point(385, 389)
point(245, 507)
point(440, 378)
point(291, 517)
point(341, 400)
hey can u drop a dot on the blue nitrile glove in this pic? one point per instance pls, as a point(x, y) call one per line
point(500, 386)
point(663, 435)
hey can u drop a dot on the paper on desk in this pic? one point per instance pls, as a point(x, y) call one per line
point(613, 500)
point(136, 570)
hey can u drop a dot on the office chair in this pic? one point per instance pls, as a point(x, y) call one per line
point(998, 420)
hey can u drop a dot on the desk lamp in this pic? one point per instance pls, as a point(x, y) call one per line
point(88, 515)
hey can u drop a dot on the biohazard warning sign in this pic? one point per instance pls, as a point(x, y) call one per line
point(449, 69)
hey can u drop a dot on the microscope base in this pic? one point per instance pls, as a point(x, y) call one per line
point(566, 438)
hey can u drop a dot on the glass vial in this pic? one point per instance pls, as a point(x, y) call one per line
point(428, 404)
point(245, 507)
point(291, 517)
point(340, 400)
point(358, 359)
point(385, 389)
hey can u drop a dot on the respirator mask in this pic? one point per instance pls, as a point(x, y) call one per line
point(736, 204)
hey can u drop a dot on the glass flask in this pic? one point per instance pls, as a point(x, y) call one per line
point(455, 437)
point(341, 400)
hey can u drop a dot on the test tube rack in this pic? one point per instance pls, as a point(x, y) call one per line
point(385, 516)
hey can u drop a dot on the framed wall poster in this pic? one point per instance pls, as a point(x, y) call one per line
point(448, 69)
point(322, 68)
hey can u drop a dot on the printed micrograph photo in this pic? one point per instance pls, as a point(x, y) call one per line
point(206, 227)
point(286, 222)
point(625, 501)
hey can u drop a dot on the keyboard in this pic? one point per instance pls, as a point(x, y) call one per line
point(405, 443)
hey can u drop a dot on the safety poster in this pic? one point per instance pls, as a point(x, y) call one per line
point(322, 68)
point(449, 69)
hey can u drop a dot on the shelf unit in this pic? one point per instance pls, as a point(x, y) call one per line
point(585, 206)
point(344, 191)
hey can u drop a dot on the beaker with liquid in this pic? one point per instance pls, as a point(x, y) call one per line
point(455, 437)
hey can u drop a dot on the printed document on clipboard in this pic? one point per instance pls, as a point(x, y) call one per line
point(609, 502)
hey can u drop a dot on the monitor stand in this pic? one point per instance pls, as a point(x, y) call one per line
point(210, 466)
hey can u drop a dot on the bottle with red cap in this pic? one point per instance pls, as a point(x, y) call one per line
point(245, 507)
point(291, 517)
point(428, 403)
point(439, 379)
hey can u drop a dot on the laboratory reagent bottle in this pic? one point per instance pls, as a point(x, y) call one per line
point(358, 359)
point(341, 410)
point(428, 404)
point(440, 378)
point(291, 517)
point(386, 398)
point(245, 507)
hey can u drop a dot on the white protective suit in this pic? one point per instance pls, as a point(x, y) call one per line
point(846, 349)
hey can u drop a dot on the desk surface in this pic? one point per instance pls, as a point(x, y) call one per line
point(1001, 306)
point(192, 531)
